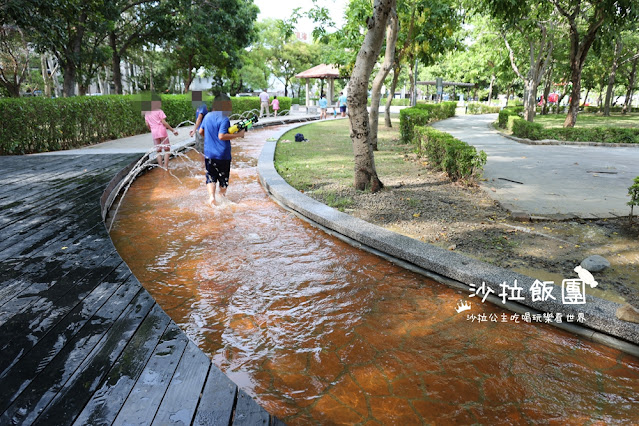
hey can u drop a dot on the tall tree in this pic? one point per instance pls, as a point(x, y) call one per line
point(585, 18)
point(62, 27)
point(212, 35)
point(135, 23)
point(14, 59)
point(378, 81)
point(365, 172)
point(534, 24)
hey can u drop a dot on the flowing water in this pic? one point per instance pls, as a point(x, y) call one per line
point(320, 332)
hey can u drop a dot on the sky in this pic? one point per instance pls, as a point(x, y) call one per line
point(282, 9)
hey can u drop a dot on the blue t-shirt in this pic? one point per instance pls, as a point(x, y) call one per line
point(323, 103)
point(215, 123)
point(200, 110)
point(342, 100)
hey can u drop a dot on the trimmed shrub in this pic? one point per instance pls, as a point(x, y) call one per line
point(459, 160)
point(507, 112)
point(535, 131)
point(511, 119)
point(39, 124)
point(421, 115)
point(526, 129)
point(475, 108)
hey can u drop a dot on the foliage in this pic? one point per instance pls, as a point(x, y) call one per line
point(527, 129)
point(502, 121)
point(40, 124)
point(459, 160)
point(475, 108)
point(536, 131)
point(633, 191)
point(421, 115)
point(217, 48)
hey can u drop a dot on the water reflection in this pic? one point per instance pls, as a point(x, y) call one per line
point(321, 332)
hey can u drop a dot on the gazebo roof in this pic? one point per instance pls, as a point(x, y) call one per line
point(320, 71)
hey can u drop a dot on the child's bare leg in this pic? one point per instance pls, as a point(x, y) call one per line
point(211, 188)
point(160, 157)
point(166, 159)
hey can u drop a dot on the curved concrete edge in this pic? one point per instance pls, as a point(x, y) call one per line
point(451, 268)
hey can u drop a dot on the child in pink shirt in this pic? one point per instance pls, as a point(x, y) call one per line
point(276, 105)
point(156, 122)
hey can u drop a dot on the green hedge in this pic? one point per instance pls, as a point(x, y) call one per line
point(502, 121)
point(475, 108)
point(535, 131)
point(421, 115)
point(459, 160)
point(40, 124)
point(595, 109)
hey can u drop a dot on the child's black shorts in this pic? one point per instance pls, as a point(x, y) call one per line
point(218, 171)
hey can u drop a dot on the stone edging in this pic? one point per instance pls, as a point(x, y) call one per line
point(449, 267)
point(575, 143)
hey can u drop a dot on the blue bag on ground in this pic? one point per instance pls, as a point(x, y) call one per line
point(299, 137)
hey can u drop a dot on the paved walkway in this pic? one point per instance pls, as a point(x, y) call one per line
point(585, 181)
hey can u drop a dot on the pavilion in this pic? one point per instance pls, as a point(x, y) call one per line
point(322, 71)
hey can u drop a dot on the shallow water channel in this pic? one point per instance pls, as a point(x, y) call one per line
point(321, 332)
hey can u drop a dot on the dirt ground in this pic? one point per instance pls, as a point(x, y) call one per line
point(423, 203)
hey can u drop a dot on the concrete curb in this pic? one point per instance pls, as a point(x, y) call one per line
point(451, 268)
point(574, 143)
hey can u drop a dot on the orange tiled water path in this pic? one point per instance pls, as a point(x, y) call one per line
point(320, 332)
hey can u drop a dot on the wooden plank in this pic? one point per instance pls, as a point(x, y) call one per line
point(145, 398)
point(35, 206)
point(180, 402)
point(218, 398)
point(90, 354)
point(32, 233)
point(26, 270)
point(38, 300)
point(97, 396)
point(46, 331)
point(108, 398)
point(248, 412)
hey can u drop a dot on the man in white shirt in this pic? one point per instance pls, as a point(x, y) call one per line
point(264, 103)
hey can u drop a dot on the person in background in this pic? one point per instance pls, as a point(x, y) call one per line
point(156, 123)
point(200, 112)
point(264, 104)
point(276, 106)
point(342, 103)
point(217, 147)
point(323, 104)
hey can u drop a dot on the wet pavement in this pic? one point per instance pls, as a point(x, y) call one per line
point(320, 332)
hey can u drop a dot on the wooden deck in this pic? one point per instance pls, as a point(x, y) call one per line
point(81, 342)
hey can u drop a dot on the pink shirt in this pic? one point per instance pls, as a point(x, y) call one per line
point(275, 104)
point(154, 120)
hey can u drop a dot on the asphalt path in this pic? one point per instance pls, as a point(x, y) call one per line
point(545, 180)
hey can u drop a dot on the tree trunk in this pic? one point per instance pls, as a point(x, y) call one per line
point(45, 76)
point(365, 172)
point(490, 88)
point(391, 96)
point(68, 86)
point(389, 58)
point(627, 105)
point(612, 76)
point(547, 87)
point(115, 64)
point(578, 53)
point(413, 97)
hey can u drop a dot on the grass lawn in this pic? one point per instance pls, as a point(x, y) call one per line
point(328, 154)
point(586, 120)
